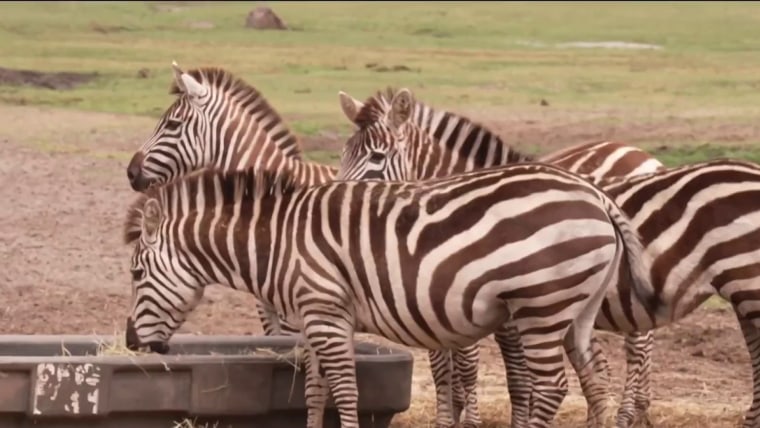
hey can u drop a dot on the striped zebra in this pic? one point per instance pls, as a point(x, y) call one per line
point(698, 222)
point(437, 264)
point(220, 121)
point(462, 145)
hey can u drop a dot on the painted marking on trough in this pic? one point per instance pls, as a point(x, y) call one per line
point(66, 388)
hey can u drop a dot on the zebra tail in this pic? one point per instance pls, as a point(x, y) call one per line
point(639, 260)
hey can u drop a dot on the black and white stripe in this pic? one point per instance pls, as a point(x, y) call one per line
point(457, 145)
point(438, 264)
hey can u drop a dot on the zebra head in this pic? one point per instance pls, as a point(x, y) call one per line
point(382, 146)
point(177, 144)
point(164, 289)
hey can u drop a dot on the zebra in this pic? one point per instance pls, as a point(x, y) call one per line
point(218, 120)
point(598, 159)
point(462, 145)
point(435, 264)
point(221, 121)
point(697, 222)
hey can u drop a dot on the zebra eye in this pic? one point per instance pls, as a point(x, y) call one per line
point(376, 157)
point(173, 124)
point(138, 274)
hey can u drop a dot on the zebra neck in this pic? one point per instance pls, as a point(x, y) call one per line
point(305, 173)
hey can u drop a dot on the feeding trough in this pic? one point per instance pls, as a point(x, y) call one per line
point(215, 381)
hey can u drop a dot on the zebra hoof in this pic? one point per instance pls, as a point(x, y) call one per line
point(643, 421)
point(469, 425)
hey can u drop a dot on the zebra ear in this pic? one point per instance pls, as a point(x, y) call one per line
point(401, 108)
point(151, 220)
point(350, 105)
point(193, 87)
point(178, 77)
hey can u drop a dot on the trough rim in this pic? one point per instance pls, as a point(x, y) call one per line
point(366, 352)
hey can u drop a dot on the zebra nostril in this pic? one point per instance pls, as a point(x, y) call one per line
point(134, 168)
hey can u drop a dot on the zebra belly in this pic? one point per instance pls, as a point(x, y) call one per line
point(405, 328)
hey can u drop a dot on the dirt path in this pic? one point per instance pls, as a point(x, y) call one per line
point(64, 270)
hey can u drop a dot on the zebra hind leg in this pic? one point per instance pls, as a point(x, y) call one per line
point(592, 369)
point(466, 368)
point(544, 358)
point(444, 378)
point(751, 333)
point(329, 336)
point(634, 406)
point(518, 377)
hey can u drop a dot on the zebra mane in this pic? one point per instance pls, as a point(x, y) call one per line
point(377, 106)
point(235, 184)
point(226, 82)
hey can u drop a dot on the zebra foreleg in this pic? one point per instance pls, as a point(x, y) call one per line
point(316, 392)
point(329, 335)
point(635, 403)
point(272, 324)
point(444, 377)
point(752, 338)
point(519, 382)
point(466, 368)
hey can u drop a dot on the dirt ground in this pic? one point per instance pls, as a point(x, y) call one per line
point(64, 270)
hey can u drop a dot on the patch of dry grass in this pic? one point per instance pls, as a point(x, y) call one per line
point(572, 414)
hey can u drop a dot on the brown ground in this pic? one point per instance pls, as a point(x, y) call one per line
point(64, 269)
point(39, 79)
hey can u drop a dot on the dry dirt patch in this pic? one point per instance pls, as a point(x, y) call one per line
point(39, 79)
point(63, 269)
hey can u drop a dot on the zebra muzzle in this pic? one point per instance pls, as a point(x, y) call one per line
point(134, 344)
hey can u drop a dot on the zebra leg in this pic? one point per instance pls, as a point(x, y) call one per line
point(752, 338)
point(593, 373)
point(466, 368)
point(545, 361)
point(268, 319)
point(329, 335)
point(441, 365)
point(458, 398)
point(272, 324)
point(316, 392)
point(635, 403)
point(518, 376)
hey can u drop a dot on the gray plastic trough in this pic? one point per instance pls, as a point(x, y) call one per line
point(207, 379)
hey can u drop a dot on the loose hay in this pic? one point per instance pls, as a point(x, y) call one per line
point(117, 347)
point(295, 356)
point(187, 423)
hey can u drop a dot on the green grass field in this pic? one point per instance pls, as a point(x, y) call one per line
point(497, 57)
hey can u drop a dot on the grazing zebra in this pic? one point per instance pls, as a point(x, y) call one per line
point(698, 222)
point(461, 145)
point(436, 264)
point(220, 121)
